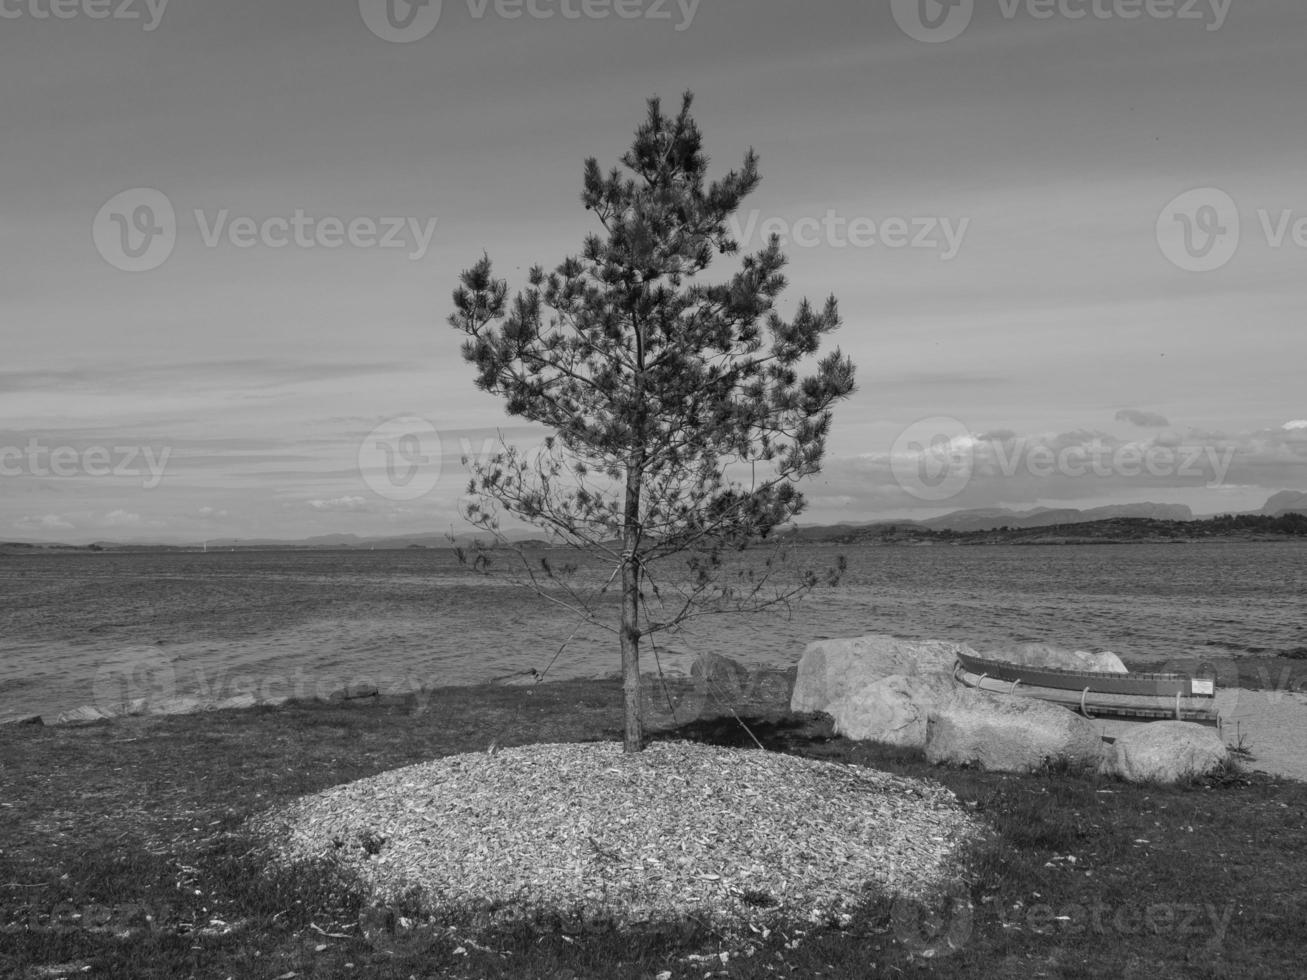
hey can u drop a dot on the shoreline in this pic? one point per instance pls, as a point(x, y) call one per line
point(1275, 676)
point(1266, 728)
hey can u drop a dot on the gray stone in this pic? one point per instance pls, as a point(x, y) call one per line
point(353, 692)
point(672, 662)
point(178, 706)
point(1168, 751)
point(1045, 655)
point(725, 679)
point(832, 669)
point(237, 701)
point(894, 710)
point(23, 720)
point(1009, 734)
point(87, 712)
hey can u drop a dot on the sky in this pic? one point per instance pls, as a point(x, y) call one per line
point(1068, 239)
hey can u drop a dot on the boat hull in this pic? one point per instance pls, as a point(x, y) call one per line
point(1147, 697)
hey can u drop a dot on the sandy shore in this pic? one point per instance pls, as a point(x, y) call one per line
point(1271, 725)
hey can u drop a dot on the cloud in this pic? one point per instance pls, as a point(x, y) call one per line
point(213, 514)
point(1001, 468)
point(341, 504)
point(1145, 420)
point(1295, 424)
point(48, 522)
point(238, 374)
point(122, 518)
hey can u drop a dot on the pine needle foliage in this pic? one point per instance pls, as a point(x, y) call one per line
point(681, 419)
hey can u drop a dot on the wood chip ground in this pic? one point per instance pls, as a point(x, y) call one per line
point(682, 829)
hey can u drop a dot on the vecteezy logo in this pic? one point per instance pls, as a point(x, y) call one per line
point(401, 459)
point(932, 459)
point(1199, 230)
point(134, 679)
point(940, 927)
point(401, 21)
point(136, 230)
point(933, 21)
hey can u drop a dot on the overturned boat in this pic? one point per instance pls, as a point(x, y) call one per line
point(1143, 697)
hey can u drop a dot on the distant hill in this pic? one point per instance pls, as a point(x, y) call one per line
point(1116, 530)
point(1286, 502)
point(983, 520)
point(325, 542)
point(987, 525)
point(992, 518)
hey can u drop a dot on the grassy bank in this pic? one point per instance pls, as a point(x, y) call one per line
point(121, 851)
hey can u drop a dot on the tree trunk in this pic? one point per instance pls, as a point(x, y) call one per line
point(631, 615)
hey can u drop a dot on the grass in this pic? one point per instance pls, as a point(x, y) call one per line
point(121, 852)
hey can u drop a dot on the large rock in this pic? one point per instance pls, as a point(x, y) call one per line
point(832, 669)
point(1044, 655)
point(894, 710)
point(1167, 751)
point(1009, 734)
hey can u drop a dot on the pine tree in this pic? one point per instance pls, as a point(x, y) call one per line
point(667, 396)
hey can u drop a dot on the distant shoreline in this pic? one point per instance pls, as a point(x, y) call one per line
point(1251, 528)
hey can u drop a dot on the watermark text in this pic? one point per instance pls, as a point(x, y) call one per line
point(65, 462)
point(149, 11)
point(940, 235)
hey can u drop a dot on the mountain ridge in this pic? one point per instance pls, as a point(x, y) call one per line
point(977, 521)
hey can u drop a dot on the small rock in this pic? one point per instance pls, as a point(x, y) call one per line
point(21, 720)
point(725, 678)
point(237, 701)
point(177, 706)
point(87, 712)
point(353, 692)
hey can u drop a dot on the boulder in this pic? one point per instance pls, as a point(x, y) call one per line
point(1009, 734)
point(1044, 655)
point(831, 669)
point(1168, 751)
point(724, 678)
point(894, 710)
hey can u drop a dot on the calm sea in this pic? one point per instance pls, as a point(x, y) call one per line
point(306, 622)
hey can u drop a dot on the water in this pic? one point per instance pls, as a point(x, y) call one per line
point(303, 623)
